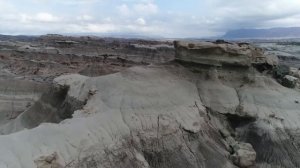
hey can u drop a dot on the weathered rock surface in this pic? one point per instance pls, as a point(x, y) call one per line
point(219, 54)
point(136, 115)
point(17, 96)
point(154, 117)
point(162, 116)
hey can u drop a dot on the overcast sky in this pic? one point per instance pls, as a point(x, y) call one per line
point(166, 18)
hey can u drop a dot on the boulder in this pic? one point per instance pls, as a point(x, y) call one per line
point(272, 60)
point(294, 72)
point(244, 155)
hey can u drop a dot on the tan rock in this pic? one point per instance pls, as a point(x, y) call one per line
point(219, 54)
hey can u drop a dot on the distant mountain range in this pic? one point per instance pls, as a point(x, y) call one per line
point(18, 38)
point(291, 32)
point(273, 33)
point(30, 38)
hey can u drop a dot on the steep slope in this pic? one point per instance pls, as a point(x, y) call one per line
point(17, 96)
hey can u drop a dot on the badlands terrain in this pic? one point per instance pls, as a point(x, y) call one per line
point(89, 102)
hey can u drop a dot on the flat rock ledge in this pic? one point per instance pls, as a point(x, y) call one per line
point(222, 53)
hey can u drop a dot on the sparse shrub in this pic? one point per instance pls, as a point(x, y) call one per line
point(289, 81)
point(280, 71)
point(281, 74)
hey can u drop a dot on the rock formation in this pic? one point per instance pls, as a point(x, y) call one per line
point(220, 54)
point(212, 108)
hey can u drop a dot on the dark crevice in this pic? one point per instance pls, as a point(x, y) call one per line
point(263, 67)
point(54, 106)
point(276, 152)
point(239, 121)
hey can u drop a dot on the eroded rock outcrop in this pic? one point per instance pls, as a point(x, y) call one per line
point(220, 54)
point(162, 116)
point(244, 155)
point(136, 116)
point(260, 111)
point(17, 96)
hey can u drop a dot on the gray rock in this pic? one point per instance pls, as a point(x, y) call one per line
point(244, 155)
point(163, 116)
point(294, 72)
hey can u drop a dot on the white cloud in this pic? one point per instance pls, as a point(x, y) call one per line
point(141, 21)
point(255, 13)
point(85, 17)
point(124, 10)
point(143, 9)
point(108, 19)
point(146, 30)
point(39, 17)
point(146, 8)
point(90, 28)
point(67, 2)
point(45, 17)
point(101, 28)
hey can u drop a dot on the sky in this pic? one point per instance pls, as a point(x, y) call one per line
point(157, 18)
